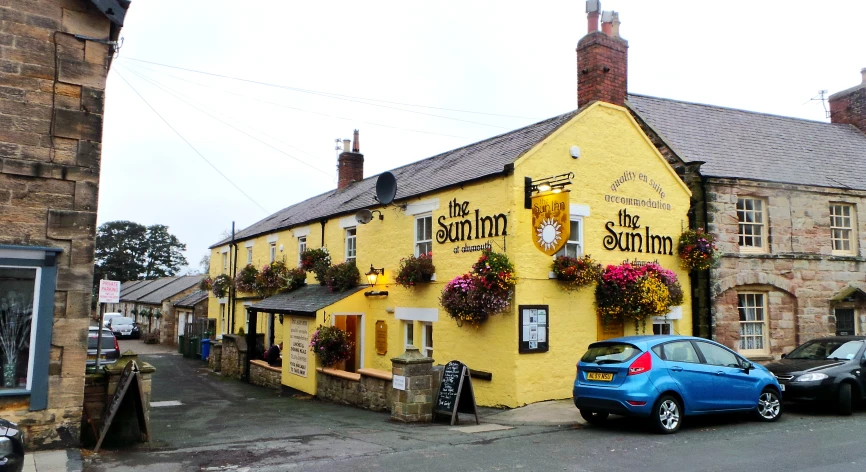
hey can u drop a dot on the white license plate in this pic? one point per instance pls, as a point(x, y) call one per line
point(782, 386)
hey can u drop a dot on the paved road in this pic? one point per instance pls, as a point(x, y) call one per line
point(226, 425)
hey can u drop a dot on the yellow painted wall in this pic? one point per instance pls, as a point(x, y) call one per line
point(611, 144)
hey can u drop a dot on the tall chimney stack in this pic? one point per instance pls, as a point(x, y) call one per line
point(849, 106)
point(350, 165)
point(602, 60)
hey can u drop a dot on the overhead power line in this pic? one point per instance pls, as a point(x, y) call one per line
point(349, 98)
point(190, 144)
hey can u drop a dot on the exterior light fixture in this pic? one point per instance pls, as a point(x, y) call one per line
point(544, 187)
point(281, 318)
point(557, 190)
point(372, 276)
point(556, 183)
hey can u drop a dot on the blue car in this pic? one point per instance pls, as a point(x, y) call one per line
point(664, 378)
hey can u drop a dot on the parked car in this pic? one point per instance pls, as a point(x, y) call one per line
point(110, 352)
point(107, 317)
point(124, 327)
point(664, 378)
point(11, 447)
point(826, 370)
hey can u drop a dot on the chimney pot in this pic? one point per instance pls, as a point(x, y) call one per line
point(593, 7)
point(356, 144)
point(615, 22)
point(346, 145)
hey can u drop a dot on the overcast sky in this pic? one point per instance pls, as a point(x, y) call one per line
point(284, 79)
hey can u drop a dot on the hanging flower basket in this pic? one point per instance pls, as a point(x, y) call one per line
point(415, 270)
point(698, 250)
point(575, 273)
point(485, 291)
point(627, 292)
point(342, 277)
point(331, 345)
point(206, 284)
point(246, 279)
point(269, 280)
point(294, 278)
point(220, 285)
point(317, 261)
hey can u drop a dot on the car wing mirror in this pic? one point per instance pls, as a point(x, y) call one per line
point(747, 366)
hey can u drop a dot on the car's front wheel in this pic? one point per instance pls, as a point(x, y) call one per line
point(593, 417)
point(845, 405)
point(769, 405)
point(667, 414)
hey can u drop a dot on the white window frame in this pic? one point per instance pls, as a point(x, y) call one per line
point(749, 300)
point(351, 243)
point(249, 255)
point(302, 246)
point(420, 240)
point(842, 229)
point(225, 262)
point(426, 349)
point(272, 250)
point(408, 326)
point(669, 324)
point(743, 214)
point(578, 242)
point(223, 318)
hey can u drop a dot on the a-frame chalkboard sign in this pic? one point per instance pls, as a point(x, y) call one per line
point(455, 392)
point(130, 381)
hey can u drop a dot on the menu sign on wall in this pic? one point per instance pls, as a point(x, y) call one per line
point(299, 336)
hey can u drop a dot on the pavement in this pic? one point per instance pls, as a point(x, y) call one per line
point(556, 413)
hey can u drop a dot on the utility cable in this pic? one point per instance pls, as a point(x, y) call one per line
point(164, 89)
point(348, 98)
point(190, 144)
point(304, 110)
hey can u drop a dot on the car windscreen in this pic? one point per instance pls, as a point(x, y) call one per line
point(609, 353)
point(107, 341)
point(122, 320)
point(826, 349)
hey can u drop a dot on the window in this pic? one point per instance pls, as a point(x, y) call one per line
point(845, 325)
point(273, 251)
point(249, 255)
point(423, 234)
point(574, 246)
point(752, 308)
point(225, 256)
point(351, 249)
point(409, 333)
point(841, 228)
point(302, 246)
point(717, 355)
point(680, 351)
point(752, 224)
point(663, 327)
point(18, 293)
point(223, 318)
point(427, 346)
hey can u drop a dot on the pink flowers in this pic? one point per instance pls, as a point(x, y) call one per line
point(485, 291)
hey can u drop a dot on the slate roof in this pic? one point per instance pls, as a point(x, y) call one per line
point(475, 161)
point(126, 287)
point(307, 299)
point(193, 299)
point(144, 288)
point(757, 146)
point(179, 284)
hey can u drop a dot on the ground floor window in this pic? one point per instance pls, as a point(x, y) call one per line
point(427, 345)
point(18, 293)
point(409, 333)
point(663, 327)
point(845, 322)
point(752, 308)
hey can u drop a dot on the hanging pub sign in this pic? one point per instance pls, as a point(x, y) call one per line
point(550, 221)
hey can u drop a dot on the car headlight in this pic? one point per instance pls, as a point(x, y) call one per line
point(810, 377)
point(6, 447)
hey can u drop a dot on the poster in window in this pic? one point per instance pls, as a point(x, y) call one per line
point(534, 329)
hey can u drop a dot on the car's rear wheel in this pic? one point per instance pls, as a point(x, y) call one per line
point(845, 405)
point(594, 417)
point(667, 414)
point(769, 405)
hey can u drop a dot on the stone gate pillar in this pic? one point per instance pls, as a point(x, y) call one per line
point(414, 372)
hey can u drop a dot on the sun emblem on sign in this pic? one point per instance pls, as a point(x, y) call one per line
point(549, 233)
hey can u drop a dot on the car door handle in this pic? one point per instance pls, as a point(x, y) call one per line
point(719, 373)
point(677, 369)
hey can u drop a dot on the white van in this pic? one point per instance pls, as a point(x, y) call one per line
point(106, 317)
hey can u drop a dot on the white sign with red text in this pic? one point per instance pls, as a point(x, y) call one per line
point(109, 291)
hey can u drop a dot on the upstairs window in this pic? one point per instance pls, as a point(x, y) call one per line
point(225, 256)
point(423, 234)
point(752, 217)
point(302, 246)
point(273, 251)
point(842, 228)
point(249, 255)
point(574, 246)
point(351, 248)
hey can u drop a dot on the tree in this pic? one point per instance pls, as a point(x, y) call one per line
point(126, 250)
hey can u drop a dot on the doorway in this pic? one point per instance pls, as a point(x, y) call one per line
point(353, 326)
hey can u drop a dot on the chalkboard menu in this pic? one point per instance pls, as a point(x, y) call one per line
point(455, 392)
point(129, 382)
point(534, 328)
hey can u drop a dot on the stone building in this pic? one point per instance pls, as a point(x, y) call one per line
point(151, 303)
point(785, 198)
point(191, 314)
point(55, 58)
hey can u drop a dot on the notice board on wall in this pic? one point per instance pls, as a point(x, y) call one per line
point(534, 328)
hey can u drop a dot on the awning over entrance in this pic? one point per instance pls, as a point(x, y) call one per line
point(849, 294)
point(305, 301)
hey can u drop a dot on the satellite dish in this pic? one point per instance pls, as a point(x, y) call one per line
point(364, 216)
point(386, 188)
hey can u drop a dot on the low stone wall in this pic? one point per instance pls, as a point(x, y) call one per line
point(368, 388)
point(264, 375)
point(214, 361)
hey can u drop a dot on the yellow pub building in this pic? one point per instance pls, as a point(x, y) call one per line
point(592, 170)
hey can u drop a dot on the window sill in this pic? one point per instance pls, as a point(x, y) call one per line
point(10, 392)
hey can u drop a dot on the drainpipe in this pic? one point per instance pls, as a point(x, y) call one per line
point(709, 271)
point(232, 286)
point(323, 231)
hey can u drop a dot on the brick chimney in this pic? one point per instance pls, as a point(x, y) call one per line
point(350, 164)
point(602, 59)
point(849, 106)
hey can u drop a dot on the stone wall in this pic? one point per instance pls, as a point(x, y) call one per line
point(264, 375)
point(369, 389)
point(234, 355)
point(51, 109)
